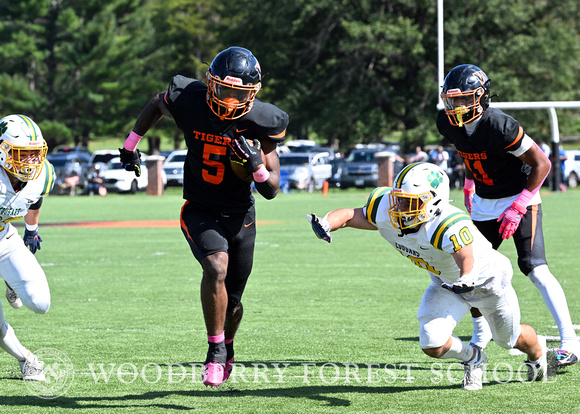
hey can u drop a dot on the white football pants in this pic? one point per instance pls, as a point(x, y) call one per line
point(20, 269)
point(441, 310)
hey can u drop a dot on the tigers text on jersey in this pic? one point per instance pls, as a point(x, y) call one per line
point(432, 246)
point(208, 178)
point(496, 172)
point(15, 204)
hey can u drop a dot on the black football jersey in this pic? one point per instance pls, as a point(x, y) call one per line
point(496, 172)
point(208, 179)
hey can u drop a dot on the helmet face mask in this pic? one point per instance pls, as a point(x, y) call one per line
point(419, 192)
point(233, 80)
point(466, 94)
point(406, 210)
point(22, 147)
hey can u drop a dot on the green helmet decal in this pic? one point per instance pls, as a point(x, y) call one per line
point(3, 128)
point(434, 179)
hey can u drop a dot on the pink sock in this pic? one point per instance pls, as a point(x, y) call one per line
point(216, 339)
point(229, 341)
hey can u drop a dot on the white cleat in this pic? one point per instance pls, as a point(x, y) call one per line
point(13, 298)
point(473, 376)
point(32, 369)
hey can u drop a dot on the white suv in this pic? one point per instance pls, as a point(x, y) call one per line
point(173, 166)
point(304, 170)
point(103, 156)
point(116, 179)
point(572, 168)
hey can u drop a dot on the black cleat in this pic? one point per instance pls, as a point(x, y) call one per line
point(563, 358)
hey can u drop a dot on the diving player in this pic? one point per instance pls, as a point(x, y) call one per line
point(415, 217)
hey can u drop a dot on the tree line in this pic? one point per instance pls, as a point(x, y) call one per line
point(347, 71)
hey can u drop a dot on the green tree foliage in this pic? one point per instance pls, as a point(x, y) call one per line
point(86, 69)
point(363, 71)
point(22, 57)
point(529, 49)
point(67, 58)
point(346, 71)
point(186, 31)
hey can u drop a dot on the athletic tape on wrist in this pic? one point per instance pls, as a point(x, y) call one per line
point(31, 227)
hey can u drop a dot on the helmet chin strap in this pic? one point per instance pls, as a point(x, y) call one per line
point(410, 230)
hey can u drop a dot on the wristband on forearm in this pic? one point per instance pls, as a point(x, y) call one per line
point(132, 141)
point(31, 227)
point(261, 175)
point(524, 198)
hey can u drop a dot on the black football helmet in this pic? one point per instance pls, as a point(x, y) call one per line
point(233, 80)
point(465, 94)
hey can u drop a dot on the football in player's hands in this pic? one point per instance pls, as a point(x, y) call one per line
point(238, 167)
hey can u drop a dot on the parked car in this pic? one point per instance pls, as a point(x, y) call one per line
point(313, 149)
point(173, 166)
point(165, 153)
point(337, 166)
point(103, 156)
point(304, 171)
point(116, 179)
point(360, 169)
point(69, 164)
point(572, 168)
point(66, 148)
point(295, 143)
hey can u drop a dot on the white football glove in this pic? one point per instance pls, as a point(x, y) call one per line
point(464, 284)
point(320, 226)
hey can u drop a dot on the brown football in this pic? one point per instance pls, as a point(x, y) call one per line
point(241, 172)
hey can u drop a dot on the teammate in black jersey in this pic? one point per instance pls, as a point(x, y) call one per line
point(504, 172)
point(221, 121)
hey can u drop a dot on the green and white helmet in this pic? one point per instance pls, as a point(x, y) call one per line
point(22, 147)
point(420, 191)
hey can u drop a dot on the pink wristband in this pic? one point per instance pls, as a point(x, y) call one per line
point(261, 175)
point(524, 198)
point(132, 141)
point(469, 186)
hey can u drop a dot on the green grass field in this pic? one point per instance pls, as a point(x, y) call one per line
point(327, 328)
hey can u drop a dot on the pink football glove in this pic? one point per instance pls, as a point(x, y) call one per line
point(467, 200)
point(468, 191)
point(510, 220)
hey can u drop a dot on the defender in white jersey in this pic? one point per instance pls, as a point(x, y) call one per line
point(415, 217)
point(25, 178)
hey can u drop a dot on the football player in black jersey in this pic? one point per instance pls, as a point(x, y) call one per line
point(222, 122)
point(505, 169)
